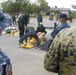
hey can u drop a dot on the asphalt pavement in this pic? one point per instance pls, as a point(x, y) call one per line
point(27, 61)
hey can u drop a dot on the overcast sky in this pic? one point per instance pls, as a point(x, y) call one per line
point(60, 3)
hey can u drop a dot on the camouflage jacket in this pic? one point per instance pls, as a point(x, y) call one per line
point(61, 57)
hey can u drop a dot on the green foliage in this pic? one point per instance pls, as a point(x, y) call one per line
point(18, 6)
point(5, 7)
point(74, 6)
point(74, 14)
point(43, 4)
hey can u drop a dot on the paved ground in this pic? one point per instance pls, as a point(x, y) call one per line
point(26, 61)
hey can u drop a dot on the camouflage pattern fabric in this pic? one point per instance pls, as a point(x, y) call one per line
point(61, 57)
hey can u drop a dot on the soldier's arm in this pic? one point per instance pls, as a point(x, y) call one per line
point(54, 33)
point(51, 60)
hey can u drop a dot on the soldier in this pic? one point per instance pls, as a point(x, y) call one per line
point(40, 31)
point(30, 32)
point(22, 22)
point(21, 25)
point(5, 64)
point(58, 28)
point(28, 18)
point(61, 57)
point(39, 18)
point(64, 24)
point(14, 19)
point(1, 23)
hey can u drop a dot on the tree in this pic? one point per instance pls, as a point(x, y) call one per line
point(43, 4)
point(74, 6)
point(17, 6)
point(55, 6)
point(4, 6)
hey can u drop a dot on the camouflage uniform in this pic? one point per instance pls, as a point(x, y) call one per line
point(61, 57)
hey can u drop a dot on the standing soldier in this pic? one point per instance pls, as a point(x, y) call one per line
point(22, 22)
point(14, 19)
point(5, 64)
point(58, 28)
point(39, 19)
point(63, 24)
point(61, 57)
point(28, 17)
